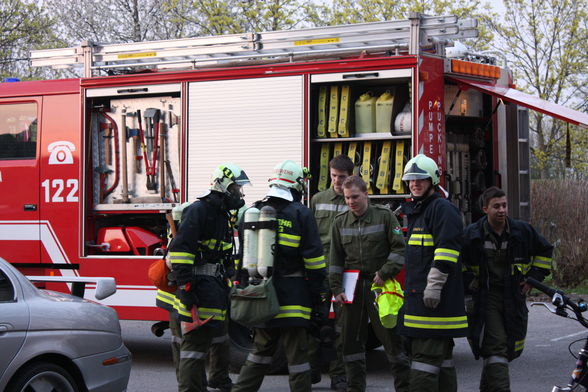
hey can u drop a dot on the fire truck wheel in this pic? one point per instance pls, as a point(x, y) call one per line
point(41, 376)
point(242, 344)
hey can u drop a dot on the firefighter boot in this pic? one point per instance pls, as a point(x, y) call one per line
point(495, 378)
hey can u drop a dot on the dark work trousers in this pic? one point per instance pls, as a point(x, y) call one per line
point(354, 323)
point(495, 376)
point(432, 367)
point(336, 366)
point(218, 352)
point(265, 341)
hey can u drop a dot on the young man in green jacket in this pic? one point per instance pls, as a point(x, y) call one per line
point(326, 205)
point(367, 238)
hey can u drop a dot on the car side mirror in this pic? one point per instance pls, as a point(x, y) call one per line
point(105, 287)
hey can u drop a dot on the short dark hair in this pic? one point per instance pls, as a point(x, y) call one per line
point(343, 163)
point(355, 181)
point(490, 194)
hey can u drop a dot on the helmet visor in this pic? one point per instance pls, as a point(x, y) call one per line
point(415, 176)
point(242, 179)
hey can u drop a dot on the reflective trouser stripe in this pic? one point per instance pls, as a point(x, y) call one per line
point(354, 357)
point(519, 345)
point(495, 359)
point(425, 367)
point(192, 355)
point(220, 339)
point(448, 363)
point(176, 340)
point(303, 367)
point(261, 360)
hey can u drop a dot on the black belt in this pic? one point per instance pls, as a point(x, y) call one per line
point(367, 275)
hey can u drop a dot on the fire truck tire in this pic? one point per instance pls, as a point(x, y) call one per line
point(241, 339)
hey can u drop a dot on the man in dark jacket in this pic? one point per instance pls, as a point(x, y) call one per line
point(298, 274)
point(433, 311)
point(498, 254)
point(199, 254)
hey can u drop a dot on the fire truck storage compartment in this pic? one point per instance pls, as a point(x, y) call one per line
point(366, 115)
point(469, 147)
point(133, 165)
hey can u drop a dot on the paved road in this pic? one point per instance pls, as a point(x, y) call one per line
point(545, 361)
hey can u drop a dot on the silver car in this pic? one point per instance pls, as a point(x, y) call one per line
point(51, 341)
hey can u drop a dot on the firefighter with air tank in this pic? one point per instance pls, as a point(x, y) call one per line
point(200, 254)
point(298, 271)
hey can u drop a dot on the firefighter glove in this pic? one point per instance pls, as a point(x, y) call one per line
point(319, 316)
point(183, 274)
point(435, 282)
point(188, 298)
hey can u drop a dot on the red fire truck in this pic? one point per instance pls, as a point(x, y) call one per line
point(89, 167)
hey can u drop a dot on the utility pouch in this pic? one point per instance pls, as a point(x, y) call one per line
point(254, 304)
point(158, 274)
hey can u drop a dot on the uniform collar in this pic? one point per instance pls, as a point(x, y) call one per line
point(415, 207)
point(365, 218)
point(488, 231)
point(333, 196)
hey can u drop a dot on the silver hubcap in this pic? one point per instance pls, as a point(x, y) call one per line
point(48, 381)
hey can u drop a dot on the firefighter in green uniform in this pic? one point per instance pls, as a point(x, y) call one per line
point(298, 275)
point(199, 254)
point(367, 238)
point(433, 311)
point(498, 254)
point(326, 205)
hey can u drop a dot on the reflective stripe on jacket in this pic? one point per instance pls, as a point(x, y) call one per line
point(527, 254)
point(299, 266)
point(433, 240)
point(204, 236)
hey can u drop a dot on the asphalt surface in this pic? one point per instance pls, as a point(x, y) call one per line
point(545, 361)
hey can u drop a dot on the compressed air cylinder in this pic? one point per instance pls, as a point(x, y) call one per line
point(266, 241)
point(250, 239)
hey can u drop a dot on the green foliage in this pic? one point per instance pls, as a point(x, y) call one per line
point(545, 42)
point(214, 17)
point(359, 11)
point(559, 212)
point(23, 26)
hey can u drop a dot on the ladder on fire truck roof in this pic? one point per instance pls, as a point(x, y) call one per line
point(408, 36)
